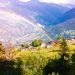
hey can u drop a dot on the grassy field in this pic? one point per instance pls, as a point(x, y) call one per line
point(47, 52)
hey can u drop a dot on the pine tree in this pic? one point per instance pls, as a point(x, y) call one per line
point(64, 61)
point(65, 53)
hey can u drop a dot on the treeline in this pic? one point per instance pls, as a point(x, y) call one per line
point(34, 43)
point(36, 62)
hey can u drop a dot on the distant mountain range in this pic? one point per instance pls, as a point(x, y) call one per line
point(43, 13)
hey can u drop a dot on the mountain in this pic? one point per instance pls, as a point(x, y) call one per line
point(65, 29)
point(65, 25)
point(66, 16)
point(40, 12)
point(18, 29)
point(48, 15)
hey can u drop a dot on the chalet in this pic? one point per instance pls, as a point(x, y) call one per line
point(46, 44)
point(31, 47)
point(43, 44)
point(49, 45)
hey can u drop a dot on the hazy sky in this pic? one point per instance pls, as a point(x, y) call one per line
point(5, 3)
point(24, 0)
point(48, 1)
point(54, 1)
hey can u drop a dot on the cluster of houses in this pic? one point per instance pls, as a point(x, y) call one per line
point(46, 44)
point(43, 45)
point(49, 44)
point(71, 41)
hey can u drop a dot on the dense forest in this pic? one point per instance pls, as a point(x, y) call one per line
point(56, 60)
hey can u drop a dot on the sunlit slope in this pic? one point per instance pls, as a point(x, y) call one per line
point(18, 29)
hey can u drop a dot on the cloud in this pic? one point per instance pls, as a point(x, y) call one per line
point(59, 1)
point(24, 0)
point(53, 1)
point(4, 4)
point(41, 26)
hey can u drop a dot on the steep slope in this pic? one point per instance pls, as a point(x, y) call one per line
point(18, 29)
point(50, 15)
point(66, 16)
point(66, 29)
point(40, 12)
point(65, 26)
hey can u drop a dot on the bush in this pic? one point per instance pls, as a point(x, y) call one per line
point(36, 43)
point(33, 62)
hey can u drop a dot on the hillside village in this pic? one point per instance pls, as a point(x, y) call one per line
point(43, 44)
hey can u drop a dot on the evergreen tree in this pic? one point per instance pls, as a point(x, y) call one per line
point(64, 61)
point(65, 53)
